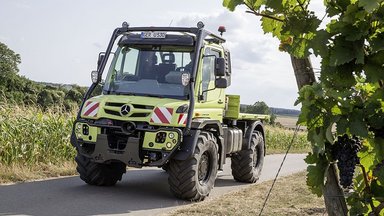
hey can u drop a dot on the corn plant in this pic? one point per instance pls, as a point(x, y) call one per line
point(29, 135)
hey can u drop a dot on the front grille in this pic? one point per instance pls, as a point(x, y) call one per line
point(111, 112)
point(138, 111)
point(139, 115)
point(139, 106)
point(113, 104)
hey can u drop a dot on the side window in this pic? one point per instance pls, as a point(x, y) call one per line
point(208, 68)
point(127, 61)
point(131, 61)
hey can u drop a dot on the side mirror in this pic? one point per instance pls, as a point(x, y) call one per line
point(220, 67)
point(95, 77)
point(221, 83)
point(100, 59)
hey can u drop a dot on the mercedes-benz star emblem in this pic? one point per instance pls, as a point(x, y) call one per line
point(125, 109)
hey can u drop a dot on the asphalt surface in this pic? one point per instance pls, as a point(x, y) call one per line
point(141, 192)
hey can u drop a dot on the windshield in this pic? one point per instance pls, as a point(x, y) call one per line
point(151, 72)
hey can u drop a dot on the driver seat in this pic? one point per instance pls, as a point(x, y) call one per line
point(167, 65)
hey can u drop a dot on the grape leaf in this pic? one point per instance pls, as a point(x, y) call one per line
point(231, 4)
point(366, 159)
point(319, 43)
point(377, 43)
point(341, 126)
point(316, 173)
point(277, 5)
point(379, 148)
point(258, 3)
point(377, 187)
point(374, 72)
point(357, 125)
point(271, 26)
point(299, 48)
point(369, 5)
point(354, 33)
point(341, 53)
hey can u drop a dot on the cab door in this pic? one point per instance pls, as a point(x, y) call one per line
point(211, 99)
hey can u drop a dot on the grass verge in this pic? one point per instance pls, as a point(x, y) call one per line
point(18, 173)
point(290, 196)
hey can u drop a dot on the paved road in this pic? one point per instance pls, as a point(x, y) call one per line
point(141, 192)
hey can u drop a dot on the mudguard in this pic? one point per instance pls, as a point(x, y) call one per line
point(257, 125)
point(188, 146)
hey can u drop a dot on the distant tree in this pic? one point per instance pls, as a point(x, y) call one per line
point(260, 107)
point(20, 90)
point(8, 60)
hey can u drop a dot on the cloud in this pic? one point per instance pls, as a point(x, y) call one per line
point(241, 35)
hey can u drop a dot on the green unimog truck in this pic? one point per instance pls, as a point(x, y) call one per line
point(163, 104)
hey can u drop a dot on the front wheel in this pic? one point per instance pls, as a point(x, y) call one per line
point(247, 164)
point(194, 178)
point(99, 174)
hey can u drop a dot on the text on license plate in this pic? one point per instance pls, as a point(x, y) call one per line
point(153, 34)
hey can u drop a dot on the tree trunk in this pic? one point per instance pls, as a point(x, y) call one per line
point(333, 194)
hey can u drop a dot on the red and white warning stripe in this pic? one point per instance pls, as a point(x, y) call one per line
point(182, 119)
point(91, 108)
point(162, 115)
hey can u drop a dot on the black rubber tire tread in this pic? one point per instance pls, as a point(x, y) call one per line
point(97, 173)
point(244, 169)
point(183, 175)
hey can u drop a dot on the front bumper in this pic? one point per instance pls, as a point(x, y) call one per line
point(142, 146)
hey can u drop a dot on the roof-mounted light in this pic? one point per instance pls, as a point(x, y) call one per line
point(222, 30)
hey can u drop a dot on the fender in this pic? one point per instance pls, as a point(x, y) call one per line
point(188, 146)
point(258, 126)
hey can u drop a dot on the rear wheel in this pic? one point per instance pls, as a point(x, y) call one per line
point(247, 164)
point(99, 174)
point(194, 178)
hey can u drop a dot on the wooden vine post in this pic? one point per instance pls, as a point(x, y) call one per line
point(333, 194)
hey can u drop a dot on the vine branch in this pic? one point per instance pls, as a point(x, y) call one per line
point(252, 11)
point(265, 15)
point(368, 189)
point(301, 5)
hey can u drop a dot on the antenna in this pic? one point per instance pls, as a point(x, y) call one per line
point(170, 23)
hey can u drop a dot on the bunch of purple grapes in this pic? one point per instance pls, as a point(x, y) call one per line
point(345, 150)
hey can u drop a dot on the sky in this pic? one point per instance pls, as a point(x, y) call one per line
point(59, 41)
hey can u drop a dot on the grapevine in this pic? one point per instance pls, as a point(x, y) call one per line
point(349, 94)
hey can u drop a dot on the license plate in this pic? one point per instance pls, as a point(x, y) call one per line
point(153, 34)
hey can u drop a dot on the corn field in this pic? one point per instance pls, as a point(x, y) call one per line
point(31, 136)
point(278, 139)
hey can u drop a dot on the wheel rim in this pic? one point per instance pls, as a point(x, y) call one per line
point(204, 168)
